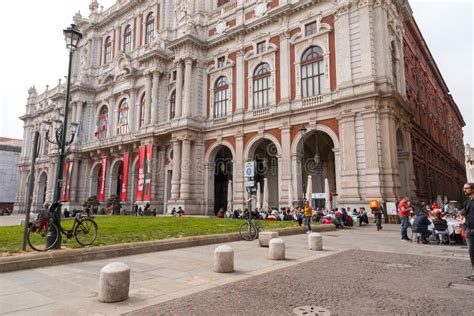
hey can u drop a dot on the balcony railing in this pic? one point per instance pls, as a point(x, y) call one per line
point(313, 101)
point(261, 112)
point(228, 7)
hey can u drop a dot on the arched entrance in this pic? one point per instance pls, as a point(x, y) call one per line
point(41, 195)
point(222, 167)
point(403, 156)
point(95, 180)
point(116, 179)
point(319, 163)
point(265, 154)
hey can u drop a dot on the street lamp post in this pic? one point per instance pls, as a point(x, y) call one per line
point(303, 131)
point(72, 36)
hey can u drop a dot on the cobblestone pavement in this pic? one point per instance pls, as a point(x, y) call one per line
point(355, 282)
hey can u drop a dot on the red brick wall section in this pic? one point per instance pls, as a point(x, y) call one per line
point(332, 52)
point(292, 72)
point(248, 137)
point(232, 23)
point(276, 133)
point(246, 86)
point(249, 15)
point(208, 96)
point(208, 144)
point(120, 38)
point(134, 32)
point(231, 140)
point(141, 29)
point(332, 124)
point(212, 32)
point(276, 40)
point(273, 4)
point(113, 46)
point(157, 18)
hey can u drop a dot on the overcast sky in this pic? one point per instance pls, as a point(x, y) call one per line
point(33, 51)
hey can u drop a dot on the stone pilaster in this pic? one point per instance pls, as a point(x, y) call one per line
point(349, 173)
point(175, 181)
point(148, 88)
point(188, 86)
point(239, 189)
point(373, 168)
point(186, 170)
point(179, 89)
point(154, 96)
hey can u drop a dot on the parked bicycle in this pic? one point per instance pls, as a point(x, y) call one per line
point(84, 230)
point(250, 229)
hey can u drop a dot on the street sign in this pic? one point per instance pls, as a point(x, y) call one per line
point(249, 183)
point(249, 169)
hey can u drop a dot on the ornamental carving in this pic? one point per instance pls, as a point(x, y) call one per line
point(261, 8)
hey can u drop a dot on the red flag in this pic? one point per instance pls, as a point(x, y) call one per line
point(102, 179)
point(123, 196)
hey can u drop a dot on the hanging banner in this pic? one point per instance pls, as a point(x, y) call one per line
point(102, 179)
point(147, 189)
point(123, 195)
point(141, 174)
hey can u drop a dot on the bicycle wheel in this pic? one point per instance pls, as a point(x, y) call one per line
point(258, 226)
point(248, 231)
point(38, 234)
point(85, 231)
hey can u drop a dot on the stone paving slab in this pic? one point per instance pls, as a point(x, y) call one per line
point(159, 277)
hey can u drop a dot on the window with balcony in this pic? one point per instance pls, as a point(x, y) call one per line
point(107, 50)
point(312, 72)
point(127, 40)
point(102, 123)
point(122, 120)
point(221, 97)
point(149, 28)
point(261, 86)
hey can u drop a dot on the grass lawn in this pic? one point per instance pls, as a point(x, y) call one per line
point(126, 229)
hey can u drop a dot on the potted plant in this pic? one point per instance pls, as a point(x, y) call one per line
point(114, 202)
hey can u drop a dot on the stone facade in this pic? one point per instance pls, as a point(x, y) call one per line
point(173, 97)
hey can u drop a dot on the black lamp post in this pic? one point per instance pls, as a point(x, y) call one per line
point(72, 36)
point(303, 131)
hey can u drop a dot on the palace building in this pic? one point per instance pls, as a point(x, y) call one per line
point(172, 97)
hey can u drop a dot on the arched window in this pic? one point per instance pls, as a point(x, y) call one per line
point(172, 104)
point(261, 86)
point(141, 110)
point(122, 121)
point(149, 28)
point(393, 51)
point(107, 50)
point(221, 97)
point(127, 40)
point(312, 72)
point(102, 123)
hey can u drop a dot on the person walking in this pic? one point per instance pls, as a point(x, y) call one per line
point(468, 212)
point(405, 211)
point(308, 213)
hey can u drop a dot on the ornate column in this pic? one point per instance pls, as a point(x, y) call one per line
point(285, 67)
point(239, 190)
point(132, 110)
point(113, 120)
point(240, 81)
point(179, 88)
point(75, 180)
point(175, 185)
point(148, 85)
point(349, 173)
point(154, 96)
point(188, 86)
point(186, 166)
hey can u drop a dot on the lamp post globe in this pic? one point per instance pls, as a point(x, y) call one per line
point(72, 37)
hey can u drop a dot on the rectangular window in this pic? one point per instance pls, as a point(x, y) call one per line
point(220, 62)
point(311, 28)
point(261, 47)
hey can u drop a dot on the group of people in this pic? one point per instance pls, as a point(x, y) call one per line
point(437, 217)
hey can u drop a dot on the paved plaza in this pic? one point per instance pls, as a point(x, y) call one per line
point(361, 271)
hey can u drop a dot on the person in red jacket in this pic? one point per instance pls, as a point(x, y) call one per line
point(405, 211)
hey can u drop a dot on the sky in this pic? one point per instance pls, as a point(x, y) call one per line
point(33, 51)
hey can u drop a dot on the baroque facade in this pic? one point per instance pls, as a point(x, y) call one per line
point(173, 97)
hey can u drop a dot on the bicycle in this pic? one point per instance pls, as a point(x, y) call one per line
point(84, 230)
point(250, 230)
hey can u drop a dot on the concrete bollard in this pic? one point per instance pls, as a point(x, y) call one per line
point(277, 249)
point(114, 282)
point(224, 259)
point(315, 241)
point(265, 237)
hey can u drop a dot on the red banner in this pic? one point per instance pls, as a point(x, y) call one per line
point(102, 179)
point(141, 173)
point(149, 155)
point(66, 184)
point(123, 196)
